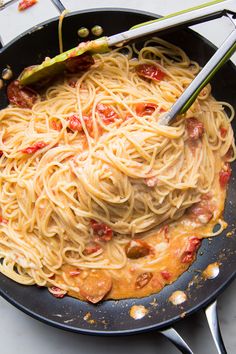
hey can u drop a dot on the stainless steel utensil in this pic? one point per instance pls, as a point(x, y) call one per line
point(194, 15)
point(220, 57)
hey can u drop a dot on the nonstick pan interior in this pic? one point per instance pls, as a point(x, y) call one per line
point(112, 317)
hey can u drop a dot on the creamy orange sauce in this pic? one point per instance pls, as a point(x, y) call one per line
point(138, 312)
point(178, 297)
point(211, 271)
point(161, 267)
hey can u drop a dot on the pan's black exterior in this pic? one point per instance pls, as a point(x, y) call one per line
point(112, 317)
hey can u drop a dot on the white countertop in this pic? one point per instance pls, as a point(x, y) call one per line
point(20, 334)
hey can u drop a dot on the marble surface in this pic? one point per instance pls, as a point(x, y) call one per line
point(23, 335)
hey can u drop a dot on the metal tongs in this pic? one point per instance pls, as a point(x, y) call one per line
point(202, 13)
point(191, 16)
point(220, 57)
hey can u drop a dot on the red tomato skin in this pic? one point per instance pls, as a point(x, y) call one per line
point(101, 231)
point(145, 109)
point(23, 97)
point(2, 220)
point(35, 147)
point(25, 4)
point(165, 274)
point(189, 253)
point(223, 132)
point(56, 125)
point(91, 248)
point(224, 175)
point(74, 123)
point(150, 71)
point(107, 114)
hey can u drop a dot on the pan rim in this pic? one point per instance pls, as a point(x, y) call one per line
point(143, 329)
point(126, 332)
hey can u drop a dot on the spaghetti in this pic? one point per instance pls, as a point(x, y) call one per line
point(97, 199)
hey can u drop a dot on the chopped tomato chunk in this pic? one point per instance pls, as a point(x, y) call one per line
point(25, 4)
point(202, 211)
point(75, 123)
point(102, 232)
point(165, 274)
point(194, 243)
point(150, 71)
point(137, 249)
point(107, 113)
point(145, 109)
point(189, 253)
point(225, 174)
point(195, 128)
point(223, 132)
point(56, 124)
point(35, 147)
point(79, 63)
point(2, 220)
point(96, 286)
point(143, 279)
point(1, 153)
point(23, 97)
point(57, 292)
point(187, 257)
point(76, 126)
point(91, 248)
point(74, 273)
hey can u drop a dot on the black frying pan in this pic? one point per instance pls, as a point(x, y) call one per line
point(112, 317)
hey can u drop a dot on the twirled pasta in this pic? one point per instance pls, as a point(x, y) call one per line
point(131, 174)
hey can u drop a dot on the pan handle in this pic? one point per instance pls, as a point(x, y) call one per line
point(177, 340)
point(213, 322)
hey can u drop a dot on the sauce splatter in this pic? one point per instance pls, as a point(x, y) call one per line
point(178, 297)
point(230, 233)
point(138, 312)
point(88, 318)
point(211, 271)
point(154, 303)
